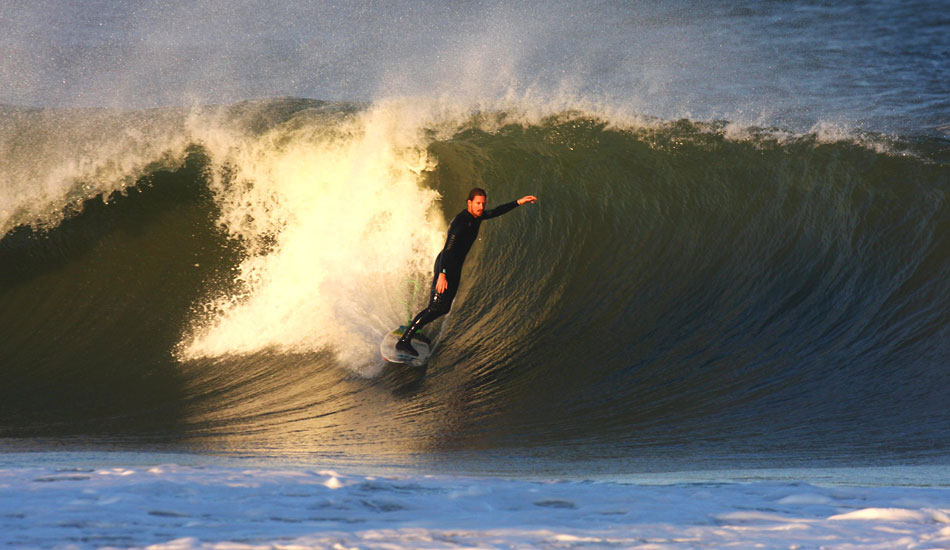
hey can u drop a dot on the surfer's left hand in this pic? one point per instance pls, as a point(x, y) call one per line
point(527, 198)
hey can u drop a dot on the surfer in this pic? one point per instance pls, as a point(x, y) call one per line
point(448, 264)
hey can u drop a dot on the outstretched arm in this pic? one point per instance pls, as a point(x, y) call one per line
point(508, 207)
point(442, 283)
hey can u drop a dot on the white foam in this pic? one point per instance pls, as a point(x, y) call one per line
point(901, 515)
point(180, 507)
point(335, 220)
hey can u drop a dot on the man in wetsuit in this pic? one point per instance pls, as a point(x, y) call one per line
point(448, 264)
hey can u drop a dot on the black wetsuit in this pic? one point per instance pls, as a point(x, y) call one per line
point(462, 234)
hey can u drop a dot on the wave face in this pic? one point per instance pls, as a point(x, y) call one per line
point(683, 291)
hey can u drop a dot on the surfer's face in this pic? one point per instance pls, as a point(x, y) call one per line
point(476, 206)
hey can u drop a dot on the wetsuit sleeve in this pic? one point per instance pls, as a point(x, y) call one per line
point(499, 210)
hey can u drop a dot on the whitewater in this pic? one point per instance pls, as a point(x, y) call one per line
point(174, 506)
point(725, 324)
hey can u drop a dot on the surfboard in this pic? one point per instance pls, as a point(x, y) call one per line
point(387, 348)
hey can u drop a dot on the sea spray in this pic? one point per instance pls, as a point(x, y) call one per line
point(54, 159)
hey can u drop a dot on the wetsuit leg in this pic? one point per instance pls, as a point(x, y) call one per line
point(439, 305)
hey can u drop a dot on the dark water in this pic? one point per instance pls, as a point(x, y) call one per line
point(740, 255)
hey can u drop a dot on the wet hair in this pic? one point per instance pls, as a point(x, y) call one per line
point(475, 192)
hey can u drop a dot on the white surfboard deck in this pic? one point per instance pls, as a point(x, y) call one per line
point(387, 348)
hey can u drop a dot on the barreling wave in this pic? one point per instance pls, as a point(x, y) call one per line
point(684, 286)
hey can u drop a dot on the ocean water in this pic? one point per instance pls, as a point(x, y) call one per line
point(731, 302)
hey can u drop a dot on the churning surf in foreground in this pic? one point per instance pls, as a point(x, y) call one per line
point(174, 507)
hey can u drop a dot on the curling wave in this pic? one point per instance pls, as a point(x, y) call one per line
point(681, 288)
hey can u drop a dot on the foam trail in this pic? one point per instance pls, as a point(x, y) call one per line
point(335, 221)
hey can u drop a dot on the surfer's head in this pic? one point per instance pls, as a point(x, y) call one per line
point(476, 201)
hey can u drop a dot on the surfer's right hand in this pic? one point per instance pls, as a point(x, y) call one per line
point(442, 284)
